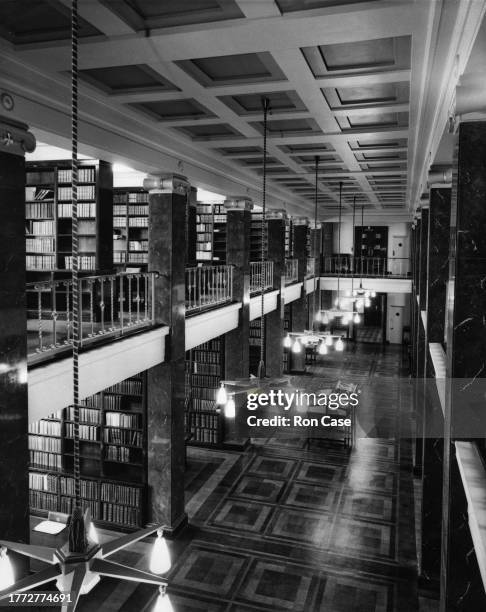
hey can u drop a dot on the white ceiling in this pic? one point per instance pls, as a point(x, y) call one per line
point(177, 86)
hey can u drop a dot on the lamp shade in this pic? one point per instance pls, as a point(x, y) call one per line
point(339, 345)
point(287, 342)
point(221, 395)
point(7, 578)
point(230, 408)
point(160, 558)
point(163, 603)
point(323, 348)
point(296, 347)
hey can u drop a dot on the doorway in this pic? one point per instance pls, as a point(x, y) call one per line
point(373, 326)
point(398, 262)
point(395, 324)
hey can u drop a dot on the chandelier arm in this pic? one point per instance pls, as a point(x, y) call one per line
point(42, 553)
point(30, 582)
point(77, 580)
point(111, 569)
point(117, 544)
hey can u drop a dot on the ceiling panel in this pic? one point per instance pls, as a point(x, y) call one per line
point(252, 104)
point(290, 6)
point(368, 95)
point(169, 110)
point(126, 79)
point(213, 131)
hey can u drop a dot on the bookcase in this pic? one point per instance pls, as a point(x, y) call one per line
point(287, 330)
point(288, 238)
point(130, 227)
point(204, 372)
point(48, 212)
point(113, 464)
point(255, 337)
point(256, 238)
point(204, 232)
point(219, 234)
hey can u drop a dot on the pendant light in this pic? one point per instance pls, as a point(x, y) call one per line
point(230, 408)
point(160, 562)
point(221, 395)
point(287, 342)
point(163, 603)
point(78, 565)
point(322, 350)
point(339, 346)
point(297, 346)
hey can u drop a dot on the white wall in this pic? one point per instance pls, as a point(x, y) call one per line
point(398, 299)
point(394, 229)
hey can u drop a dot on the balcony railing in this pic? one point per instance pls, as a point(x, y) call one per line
point(291, 271)
point(257, 269)
point(347, 265)
point(208, 286)
point(310, 270)
point(110, 305)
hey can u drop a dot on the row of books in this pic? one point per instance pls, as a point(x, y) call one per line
point(123, 437)
point(42, 501)
point(206, 368)
point(86, 262)
point(40, 262)
point(204, 380)
point(86, 415)
point(39, 245)
point(86, 432)
point(85, 192)
point(122, 419)
point(67, 504)
point(118, 453)
point(39, 210)
point(124, 515)
point(93, 401)
point(140, 209)
point(39, 177)
point(43, 482)
point(138, 222)
point(42, 228)
point(119, 210)
point(203, 392)
point(45, 427)
point(208, 436)
point(126, 387)
point(138, 197)
point(89, 489)
point(119, 222)
point(203, 255)
point(85, 209)
point(198, 404)
point(138, 245)
point(113, 402)
point(120, 494)
point(119, 257)
point(85, 175)
point(52, 461)
point(206, 356)
point(140, 258)
point(199, 419)
point(42, 443)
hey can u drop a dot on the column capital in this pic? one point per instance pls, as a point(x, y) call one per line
point(167, 183)
point(441, 176)
point(15, 137)
point(276, 213)
point(300, 220)
point(238, 203)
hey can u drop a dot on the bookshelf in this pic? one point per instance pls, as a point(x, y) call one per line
point(204, 232)
point(288, 238)
point(113, 466)
point(204, 372)
point(287, 330)
point(254, 339)
point(219, 234)
point(48, 209)
point(256, 238)
point(130, 227)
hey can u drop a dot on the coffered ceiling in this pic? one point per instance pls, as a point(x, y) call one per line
point(347, 81)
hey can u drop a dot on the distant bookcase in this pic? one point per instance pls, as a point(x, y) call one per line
point(113, 442)
point(130, 227)
point(255, 337)
point(204, 372)
point(219, 234)
point(288, 238)
point(204, 232)
point(256, 238)
point(48, 212)
point(287, 330)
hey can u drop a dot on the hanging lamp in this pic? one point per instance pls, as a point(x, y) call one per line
point(78, 565)
point(362, 296)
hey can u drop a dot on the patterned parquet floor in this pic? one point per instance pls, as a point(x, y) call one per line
point(282, 527)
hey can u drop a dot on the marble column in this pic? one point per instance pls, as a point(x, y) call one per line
point(299, 243)
point(275, 319)
point(238, 225)
point(437, 278)
point(165, 382)
point(14, 453)
point(466, 353)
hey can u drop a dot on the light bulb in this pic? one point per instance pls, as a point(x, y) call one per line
point(93, 534)
point(221, 395)
point(339, 345)
point(160, 558)
point(373, 294)
point(303, 340)
point(323, 349)
point(297, 347)
point(7, 578)
point(329, 340)
point(367, 303)
point(230, 408)
point(359, 303)
point(367, 294)
point(325, 319)
point(163, 603)
point(287, 341)
point(318, 317)
point(356, 318)
point(336, 302)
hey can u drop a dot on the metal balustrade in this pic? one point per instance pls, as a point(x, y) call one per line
point(310, 271)
point(208, 286)
point(110, 305)
point(291, 271)
point(383, 267)
point(257, 269)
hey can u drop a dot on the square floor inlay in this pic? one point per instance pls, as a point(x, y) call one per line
point(311, 496)
point(272, 467)
point(361, 537)
point(308, 527)
point(319, 473)
point(367, 506)
point(241, 515)
point(342, 594)
point(262, 489)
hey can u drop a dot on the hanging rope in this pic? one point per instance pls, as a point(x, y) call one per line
point(339, 242)
point(75, 249)
point(354, 248)
point(315, 240)
point(261, 365)
point(361, 245)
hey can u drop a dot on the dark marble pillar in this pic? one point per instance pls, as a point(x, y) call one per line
point(437, 278)
point(14, 453)
point(165, 382)
point(191, 227)
point(238, 225)
point(299, 243)
point(275, 319)
point(466, 354)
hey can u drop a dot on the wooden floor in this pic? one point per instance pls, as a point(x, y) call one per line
point(279, 527)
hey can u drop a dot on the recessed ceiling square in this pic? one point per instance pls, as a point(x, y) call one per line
point(213, 131)
point(290, 6)
point(365, 144)
point(170, 110)
point(231, 69)
point(153, 14)
point(369, 95)
point(251, 104)
point(234, 151)
point(28, 21)
point(126, 79)
point(287, 127)
point(315, 148)
point(374, 55)
point(373, 120)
